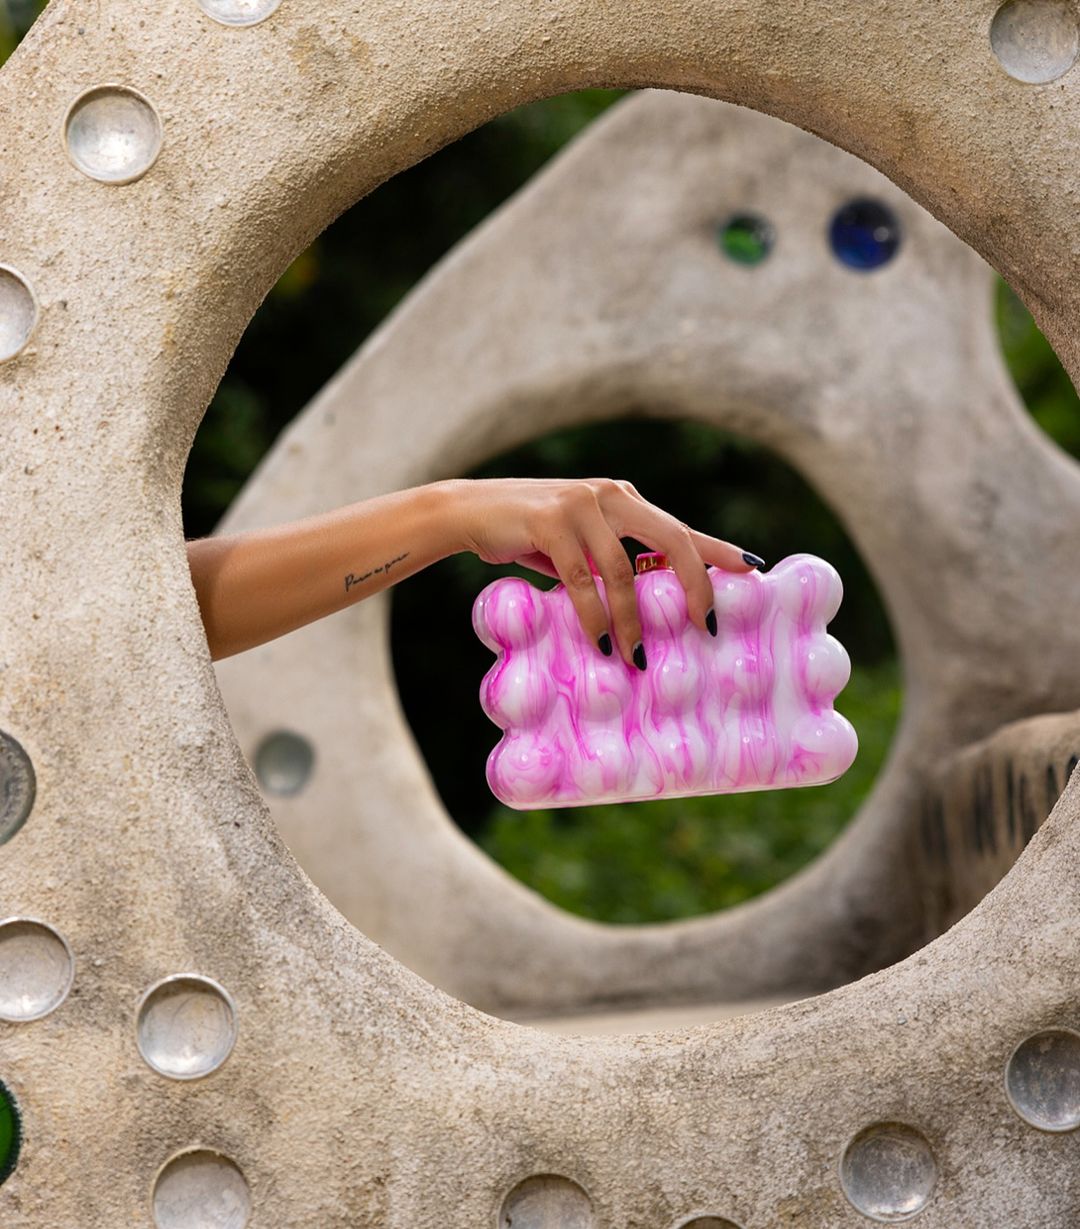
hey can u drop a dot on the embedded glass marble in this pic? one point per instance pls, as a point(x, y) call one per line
point(17, 787)
point(201, 1189)
point(1036, 41)
point(748, 709)
point(239, 12)
point(9, 1134)
point(112, 133)
point(186, 1026)
point(18, 312)
point(864, 234)
point(546, 1201)
point(746, 238)
point(888, 1172)
point(283, 762)
point(36, 969)
point(1042, 1080)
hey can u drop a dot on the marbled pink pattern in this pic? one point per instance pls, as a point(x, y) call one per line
point(748, 709)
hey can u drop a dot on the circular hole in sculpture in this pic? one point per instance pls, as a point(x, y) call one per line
point(1036, 41)
point(746, 238)
point(186, 1026)
point(36, 970)
point(239, 12)
point(17, 787)
point(864, 234)
point(596, 884)
point(675, 857)
point(1042, 1080)
point(708, 1222)
point(888, 1172)
point(546, 1201)
point(112, 133)
point(283, 762)
point(18, 313)
point(10, 1134)
point(201, 1189)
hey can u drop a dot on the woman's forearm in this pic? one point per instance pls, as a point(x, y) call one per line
point(252, 587)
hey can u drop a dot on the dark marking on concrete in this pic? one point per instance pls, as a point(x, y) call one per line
point(982, 810)
point(932, 827)
point(1053, 790)
point(1029, 819)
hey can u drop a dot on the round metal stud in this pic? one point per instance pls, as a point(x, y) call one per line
point(888, 1172)
point(112, 133)
point(546, 1201)
point(1042, 1080)
point(186, 1026)
point(201, 1189)
point(283, 762)
point(36, 969)
point(18, 785)
point(1036, 41)
point(18, 312)
point(239, 12)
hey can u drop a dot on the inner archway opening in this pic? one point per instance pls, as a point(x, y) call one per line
point(672, 858)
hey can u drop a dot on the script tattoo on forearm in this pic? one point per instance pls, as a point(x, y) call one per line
point(351, 580)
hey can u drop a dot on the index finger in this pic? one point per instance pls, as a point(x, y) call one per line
point(687, 550)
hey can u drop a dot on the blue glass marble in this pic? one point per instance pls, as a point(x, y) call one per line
point(864, 234)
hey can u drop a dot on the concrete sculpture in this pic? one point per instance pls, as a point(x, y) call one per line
point(632, 305)
point(146, 211)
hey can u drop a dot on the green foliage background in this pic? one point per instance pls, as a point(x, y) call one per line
point(630, 863)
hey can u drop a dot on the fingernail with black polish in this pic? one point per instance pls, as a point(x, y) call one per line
point(710, 622)
point(605, 644)
point(639, 655)
point(754, 561)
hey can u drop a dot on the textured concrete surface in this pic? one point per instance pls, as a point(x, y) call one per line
point(356, 1092)
point(599, 289)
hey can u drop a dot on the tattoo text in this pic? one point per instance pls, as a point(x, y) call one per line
point(351, 580)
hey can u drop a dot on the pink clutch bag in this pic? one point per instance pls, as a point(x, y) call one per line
point(750, 708)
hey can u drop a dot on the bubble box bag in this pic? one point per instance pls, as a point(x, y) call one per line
point(750, 708)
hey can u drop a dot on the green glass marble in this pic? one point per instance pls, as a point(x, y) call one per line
point(746, 238)
point(9, 1134)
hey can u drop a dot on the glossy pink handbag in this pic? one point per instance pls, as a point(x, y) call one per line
point(750, 708)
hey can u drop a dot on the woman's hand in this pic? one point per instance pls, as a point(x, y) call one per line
point(558, 526)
